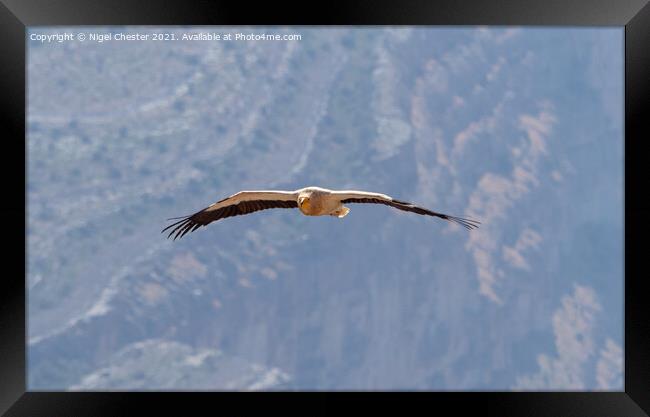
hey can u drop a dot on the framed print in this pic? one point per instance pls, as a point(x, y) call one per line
point(390, 199)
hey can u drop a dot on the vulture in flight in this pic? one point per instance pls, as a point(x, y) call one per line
point(312, 201)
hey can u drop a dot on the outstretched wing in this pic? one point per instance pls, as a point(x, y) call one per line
point(376, 198)
point(244, 202)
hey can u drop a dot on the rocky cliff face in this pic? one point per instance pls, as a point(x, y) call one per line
point(513, 127)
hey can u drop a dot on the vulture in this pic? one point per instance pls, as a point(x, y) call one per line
point(311, 201)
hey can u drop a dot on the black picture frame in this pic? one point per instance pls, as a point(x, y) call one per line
point(17, 15)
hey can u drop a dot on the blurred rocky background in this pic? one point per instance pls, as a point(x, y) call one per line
point(520, 128)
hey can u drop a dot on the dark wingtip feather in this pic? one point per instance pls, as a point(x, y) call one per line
point(174, 224)
point(176, 218)
point(179, 227)
point(186, 229)
point(182, 229)
point(467, 223)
